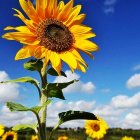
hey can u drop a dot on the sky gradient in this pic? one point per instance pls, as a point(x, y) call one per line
point(110, 87)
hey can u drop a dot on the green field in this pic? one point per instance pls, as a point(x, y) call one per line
point(79, 134)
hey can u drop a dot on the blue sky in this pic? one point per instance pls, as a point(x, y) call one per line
point(113, 78)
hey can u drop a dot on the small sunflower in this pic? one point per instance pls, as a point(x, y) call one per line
point(1, 130)
point(34, 137)
point(127, 138)
point(54, 32)
point(63, 138)
point(10, 135)
point(96, 128)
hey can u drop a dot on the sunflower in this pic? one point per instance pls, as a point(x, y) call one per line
point(1, 130)
point(63, 138)
point(53, 32)
point(127, 138)
point(34, 137)
point(10, 135)
point(96, 128)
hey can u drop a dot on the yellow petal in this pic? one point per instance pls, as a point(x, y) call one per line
point(40, 7)
point(58, 68)
point(80, 29)
point(29, 23)
point(77, 20)
point(74, 13)
point(63, 15)
point(84, 36)
point(60, 6)
point(68, 58)
point(86, 45)
point(55, 59)
point(25, 52)
point(39, 52)
point(22, 29)
point(81, 68)
point(78, 57)
point(22, 38)
point(29, 9)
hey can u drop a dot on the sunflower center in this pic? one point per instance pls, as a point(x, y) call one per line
point(10, 137)
point(96, 127)
point(54, 35)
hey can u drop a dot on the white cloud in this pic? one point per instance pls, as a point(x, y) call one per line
point(109, 6)
point(9, 118)
point(79, 86)
point(137, 67)
point(131, 119)
point(123, 101)
point(8, 91)
point(133, 81)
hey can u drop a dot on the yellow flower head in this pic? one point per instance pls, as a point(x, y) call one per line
point(10, 135)
point(34, 137)
point(63, 138)
point(96, 128)
point(53, 31)
point(127, 138)
point(1, 130)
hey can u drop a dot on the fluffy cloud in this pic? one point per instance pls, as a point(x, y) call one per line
point(9, 118)
point(131, 119)
point(137, 67)
point(109, 6)
point(79, 86)
point(123, 101)
point(8, 91)
point(133, 81)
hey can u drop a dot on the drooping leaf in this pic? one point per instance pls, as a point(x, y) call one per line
point(75, 115)
point(18, 107)
point(62, 85)
point(72, 115)
point(22, 80)
point(33, 65)
point(52, 72)
point(54, 91)
point(24, 127)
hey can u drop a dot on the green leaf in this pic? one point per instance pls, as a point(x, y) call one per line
point(18, 107)
point(22, 80)
point(62, 85)
point(52, 72)
point(74, 115)
point(54, 91)
point(33, 65)
point(24, 127)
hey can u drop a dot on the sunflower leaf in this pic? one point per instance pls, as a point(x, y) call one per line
point(33, 65)
point(23, 80)
point(74, 115)
point(24, 127)
point(18, 107)
point(62, 85)
point(52, 72)
point(54, 91)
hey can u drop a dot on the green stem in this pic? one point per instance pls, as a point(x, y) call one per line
point(43, 100)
